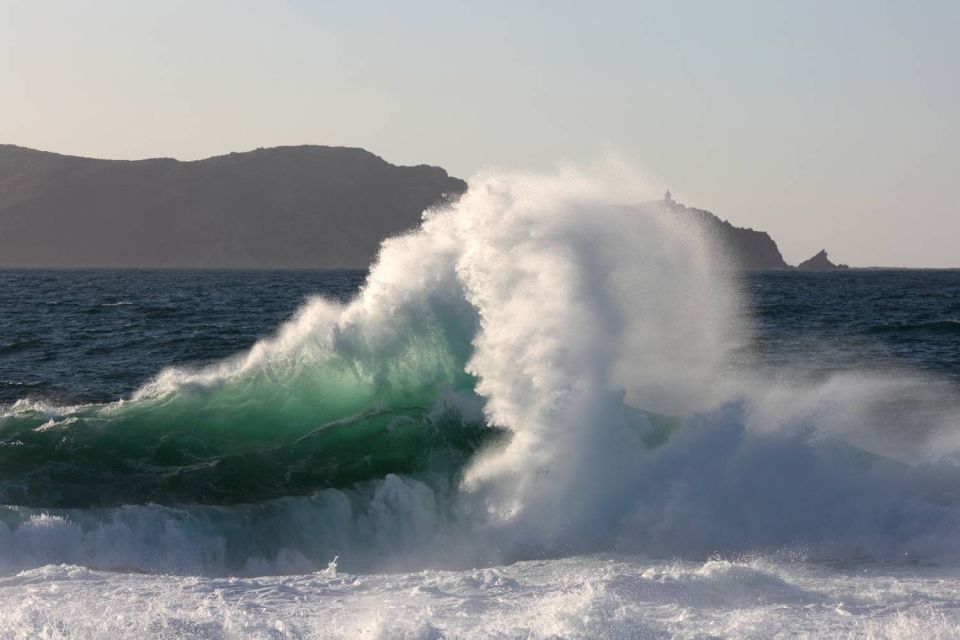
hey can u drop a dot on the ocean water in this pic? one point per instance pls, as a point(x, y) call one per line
point(537, 416)
point(82, 336)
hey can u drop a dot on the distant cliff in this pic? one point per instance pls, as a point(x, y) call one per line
point(740, 248)
point(306, 206)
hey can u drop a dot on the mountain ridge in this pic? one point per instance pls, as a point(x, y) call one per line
point(276, 207)
point(296, 206)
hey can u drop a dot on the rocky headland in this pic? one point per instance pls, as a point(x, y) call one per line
point(304, 206)
point(739, 247)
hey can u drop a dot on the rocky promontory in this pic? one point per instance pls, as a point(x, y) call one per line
point(820, 262)
point(739, 247)
point(305, 206)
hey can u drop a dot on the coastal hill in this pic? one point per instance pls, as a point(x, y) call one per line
point(742, 248)
point(306, 206)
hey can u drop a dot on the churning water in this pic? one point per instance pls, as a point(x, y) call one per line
point(541, 415)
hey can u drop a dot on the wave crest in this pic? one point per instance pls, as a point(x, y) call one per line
point(538, 370)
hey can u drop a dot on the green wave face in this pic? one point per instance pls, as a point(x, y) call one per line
point(322, 413)
point(129, 459)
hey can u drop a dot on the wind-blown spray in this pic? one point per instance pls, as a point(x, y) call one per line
point(539, 369)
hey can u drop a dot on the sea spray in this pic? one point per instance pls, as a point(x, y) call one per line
point(586, 308)
point(539, 370)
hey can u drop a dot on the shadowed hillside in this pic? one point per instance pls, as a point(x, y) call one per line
point(740, 247)
point(306, 206)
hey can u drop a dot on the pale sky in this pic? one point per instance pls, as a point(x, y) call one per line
point(829, 124)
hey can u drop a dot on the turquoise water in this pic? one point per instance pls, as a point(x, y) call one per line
point(537, 416)
point(79, 341)
point(72, 337)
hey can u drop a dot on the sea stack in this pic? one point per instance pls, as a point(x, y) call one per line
point(820, 262)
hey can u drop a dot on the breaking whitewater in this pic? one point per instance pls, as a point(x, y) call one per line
point(533, 421)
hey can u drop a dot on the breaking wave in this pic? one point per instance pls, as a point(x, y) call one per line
point(538, 370)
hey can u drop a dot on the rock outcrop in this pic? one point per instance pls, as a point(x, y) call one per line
point(306, 206)
point(820, 262)
point(739, 247)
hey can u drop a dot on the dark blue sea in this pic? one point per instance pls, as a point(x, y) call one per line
point(95, 336)
point(73, 337)
point(453, 452)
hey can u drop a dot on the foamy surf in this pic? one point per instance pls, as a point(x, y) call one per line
point(579, 597)
point(538, 375)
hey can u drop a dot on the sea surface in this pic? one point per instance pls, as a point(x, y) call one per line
point(82, 336)
point(193, 505)
point(73, 337)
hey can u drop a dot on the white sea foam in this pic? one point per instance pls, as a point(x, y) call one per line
point(581, 321)
point(572, 312)
point(578, 597)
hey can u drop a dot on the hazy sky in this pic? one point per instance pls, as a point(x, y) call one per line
point(829, 124)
